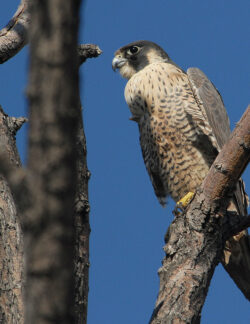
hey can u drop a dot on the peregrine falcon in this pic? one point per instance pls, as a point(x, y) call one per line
point(181, 117)
point(182, 120)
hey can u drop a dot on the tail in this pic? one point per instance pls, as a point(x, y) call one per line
point(236, 258)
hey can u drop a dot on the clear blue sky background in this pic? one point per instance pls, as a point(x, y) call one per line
point(128, 224)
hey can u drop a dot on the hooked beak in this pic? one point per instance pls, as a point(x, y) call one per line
point(118, 62)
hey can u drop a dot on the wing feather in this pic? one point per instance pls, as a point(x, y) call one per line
point(211, 103)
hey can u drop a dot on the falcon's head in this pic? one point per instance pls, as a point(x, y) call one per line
point(135, 56)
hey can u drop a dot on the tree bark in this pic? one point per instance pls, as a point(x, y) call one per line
point(196, 238)
point(235, 157)
point(11, 238)
point(54, 112)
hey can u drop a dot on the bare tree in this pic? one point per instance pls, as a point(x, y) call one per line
point(51, 195)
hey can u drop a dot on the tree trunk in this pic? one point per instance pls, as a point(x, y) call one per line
point(54, 113)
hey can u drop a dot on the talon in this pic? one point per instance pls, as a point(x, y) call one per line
point(178, 210)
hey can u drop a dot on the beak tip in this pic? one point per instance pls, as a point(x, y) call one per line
point(117, 63)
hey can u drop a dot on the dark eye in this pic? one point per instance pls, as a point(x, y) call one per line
point(133, 50)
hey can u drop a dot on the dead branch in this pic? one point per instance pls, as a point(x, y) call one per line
point(11, 238)
point(82, 230)
point(86, 51)
point(14, 37)
point(194, 241)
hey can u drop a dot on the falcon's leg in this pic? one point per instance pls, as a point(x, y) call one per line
point(183, 202)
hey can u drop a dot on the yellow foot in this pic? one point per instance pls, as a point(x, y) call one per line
point(183, 202)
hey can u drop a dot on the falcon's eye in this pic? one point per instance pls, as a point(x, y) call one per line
point(133, 50)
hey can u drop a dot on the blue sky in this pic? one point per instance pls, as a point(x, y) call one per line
point(128, 224)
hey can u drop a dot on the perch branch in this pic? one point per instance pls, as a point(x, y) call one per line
point(194, 241)
point(229, 164)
